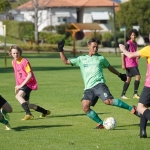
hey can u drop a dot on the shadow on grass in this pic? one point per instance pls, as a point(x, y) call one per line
point(22, 128)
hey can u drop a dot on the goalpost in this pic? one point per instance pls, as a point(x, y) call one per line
point(3, 33)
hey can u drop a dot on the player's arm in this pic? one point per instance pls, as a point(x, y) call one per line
point(113, 70)
point(61, 51)
point(123, 77)
point(129, 54)
point(123, 61)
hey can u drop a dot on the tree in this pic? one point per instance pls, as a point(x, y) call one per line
point(134, 12)
point(36, 6)
point(4, 6)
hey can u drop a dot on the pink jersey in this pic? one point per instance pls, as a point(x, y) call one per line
point(147, 80)
point(21, 74)
point(131, 62)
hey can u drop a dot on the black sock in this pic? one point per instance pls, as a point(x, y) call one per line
point(136, 86)
point(125, 87)
point(143, 123)
point(26, 108)
point(146, 113)
point(40, 109)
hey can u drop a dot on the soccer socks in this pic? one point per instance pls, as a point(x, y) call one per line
point(136, 86)
point(143, 123)
point(121, 104)
point(146, 113)
point(4, 112)
point(93, 115)
point(40, 109)
point(3, 121)
point(125, 87)
point(26, 108)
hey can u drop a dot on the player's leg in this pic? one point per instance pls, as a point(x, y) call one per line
point(126, 85)
point(143, 124)
point(2, 119)
point(23, 95)
point(108, 99)
point(39, 109)
point(144, 102)
point(5, 108)
point(136, 73)
point(90, 100)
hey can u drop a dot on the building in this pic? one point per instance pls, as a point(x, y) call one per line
point(55, 12)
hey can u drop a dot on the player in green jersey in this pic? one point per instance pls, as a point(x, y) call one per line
point(91, 66)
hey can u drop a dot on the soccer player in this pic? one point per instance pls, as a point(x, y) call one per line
point(131, 65)
point(91, 66)
point(25, 83)
point(5, 108)
point(144, 101)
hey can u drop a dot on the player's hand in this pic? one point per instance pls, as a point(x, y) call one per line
point(123, 77)
point(61, 45)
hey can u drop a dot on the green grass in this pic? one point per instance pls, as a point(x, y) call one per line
point(68, 128)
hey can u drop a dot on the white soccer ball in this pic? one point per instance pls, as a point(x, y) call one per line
point(109, 123)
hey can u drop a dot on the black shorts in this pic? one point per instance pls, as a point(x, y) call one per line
point(132, 71)
point(27, 91)
point(99, 91)
point(145, 96)
point(2, 101)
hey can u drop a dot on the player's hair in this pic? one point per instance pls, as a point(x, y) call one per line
point(133, 31)
point(94, 39)
point(15, 47)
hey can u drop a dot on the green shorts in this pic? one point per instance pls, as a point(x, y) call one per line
point(99, 91)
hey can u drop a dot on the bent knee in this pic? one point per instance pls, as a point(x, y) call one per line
point(108, 102)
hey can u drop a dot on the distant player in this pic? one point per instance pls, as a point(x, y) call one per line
point(131, 66)
point(144, 101)
point(25, 83)
point(91, 66)
point(5, 108)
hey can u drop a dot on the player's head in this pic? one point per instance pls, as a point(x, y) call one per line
point(93, 45)
point(133, 34)
point(15, 51)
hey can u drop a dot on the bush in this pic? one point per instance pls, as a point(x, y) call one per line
point(121, 41)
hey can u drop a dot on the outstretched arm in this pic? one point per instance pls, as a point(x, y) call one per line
point(61, 51)
point(123, 77)
point(128, 54)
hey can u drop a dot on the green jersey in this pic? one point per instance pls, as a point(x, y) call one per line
point(91, 68)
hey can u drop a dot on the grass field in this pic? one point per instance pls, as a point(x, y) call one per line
point(68, 128)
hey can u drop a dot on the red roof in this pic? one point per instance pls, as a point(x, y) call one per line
point(69, 3)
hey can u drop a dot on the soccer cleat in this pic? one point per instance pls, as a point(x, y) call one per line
point(124, 97)
point(136, 96)
point(143, 134)
point(44, 115)
point(135, 112)
point(7, 127)
point(99, 126)
point(28, 117)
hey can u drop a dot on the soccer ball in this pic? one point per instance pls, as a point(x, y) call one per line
point(109, 123)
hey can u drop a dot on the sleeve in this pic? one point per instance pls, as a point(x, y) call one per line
point(74, 61)
point(145, 52)
point(28, 68)
point(127, 47)
point(106, 64)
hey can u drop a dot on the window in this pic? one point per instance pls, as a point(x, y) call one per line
point(100, 21)
point(62, 19)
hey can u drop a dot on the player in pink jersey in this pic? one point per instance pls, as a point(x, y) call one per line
point(5, 108)
point(131, 66)
point(144, 101)
point(25, 83)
